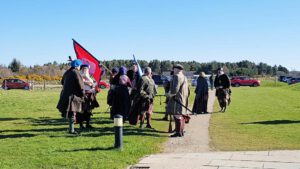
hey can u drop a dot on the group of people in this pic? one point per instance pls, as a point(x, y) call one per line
point(78, 96)
point(221, 82)
point(132, 95)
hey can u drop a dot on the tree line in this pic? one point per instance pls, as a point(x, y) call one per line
point(54, 70)
point(244, 67)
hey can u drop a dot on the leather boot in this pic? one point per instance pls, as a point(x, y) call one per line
point(148, 116)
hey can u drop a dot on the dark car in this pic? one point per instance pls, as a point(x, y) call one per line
point(280, 78)
point(15, 84)
point(244, 81)
point(159, 79)
point(293, 81)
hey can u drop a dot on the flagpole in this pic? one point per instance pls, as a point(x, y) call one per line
point(139, 67)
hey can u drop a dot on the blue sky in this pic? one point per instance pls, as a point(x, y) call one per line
point(41, 31)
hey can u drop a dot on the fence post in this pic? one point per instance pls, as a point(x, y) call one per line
point(32, 84)
point(44, 84)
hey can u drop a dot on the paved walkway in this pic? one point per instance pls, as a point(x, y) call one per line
point(196, 138)
point(223, 160)
point(192, 152)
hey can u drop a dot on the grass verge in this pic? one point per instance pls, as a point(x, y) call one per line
point(32, 135)
point(262, 118)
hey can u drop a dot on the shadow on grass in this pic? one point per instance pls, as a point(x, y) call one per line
point(274, 122)
point(48, 122)
point(90, 149)
point(61, 121)
point(37, 130)
point(17, 135)
point(127, 131)
point(159, 112)
point(63, 125)
point(11, 119)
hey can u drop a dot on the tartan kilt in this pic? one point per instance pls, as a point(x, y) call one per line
point(140, 106)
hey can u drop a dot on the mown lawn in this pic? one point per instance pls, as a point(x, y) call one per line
point(262, 118)
point(32, 135)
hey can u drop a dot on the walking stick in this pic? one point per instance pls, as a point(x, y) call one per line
point(170, 124)
point(183, 106)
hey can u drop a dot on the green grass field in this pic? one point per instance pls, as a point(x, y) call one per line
point(262, 118)
point(32, 135)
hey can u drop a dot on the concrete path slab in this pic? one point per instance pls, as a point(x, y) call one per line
point(223, 160)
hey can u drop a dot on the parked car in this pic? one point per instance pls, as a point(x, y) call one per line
point(244, 81)
point(15, 84)
point(286, 79)
point(293, 80)
point(194, 80)
point(280, 78)
point(104, 85)
point(159, 79)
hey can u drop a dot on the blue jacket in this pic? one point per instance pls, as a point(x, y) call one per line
point(202, 86)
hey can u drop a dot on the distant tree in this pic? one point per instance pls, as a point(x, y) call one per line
point(166, 65)
point(4, 71)
point(155, 66)
point(283, 69)
point(143, 63)
point(15, 65)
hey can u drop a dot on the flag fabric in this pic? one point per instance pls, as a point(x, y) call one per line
point(140, 72)
point(87, 58)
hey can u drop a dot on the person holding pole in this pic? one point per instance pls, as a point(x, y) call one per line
point(90, 101)
point(178, 99)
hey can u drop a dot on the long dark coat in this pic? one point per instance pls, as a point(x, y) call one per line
point(120, 101)
point(71, 96)
point(200, 103)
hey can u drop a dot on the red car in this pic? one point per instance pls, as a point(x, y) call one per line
point(244, 81)
point(15, 84)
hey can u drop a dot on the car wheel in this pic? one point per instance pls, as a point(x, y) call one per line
point(254, 85)
point(5, 88)
point(237, 85)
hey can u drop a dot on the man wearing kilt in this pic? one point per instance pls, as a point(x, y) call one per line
point(143, 101)
point(222, 85)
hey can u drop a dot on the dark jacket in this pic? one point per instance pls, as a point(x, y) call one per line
point(120, 101)
point(71, 96)
point(222, 80)
point(202, 86)
point(134, 78)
